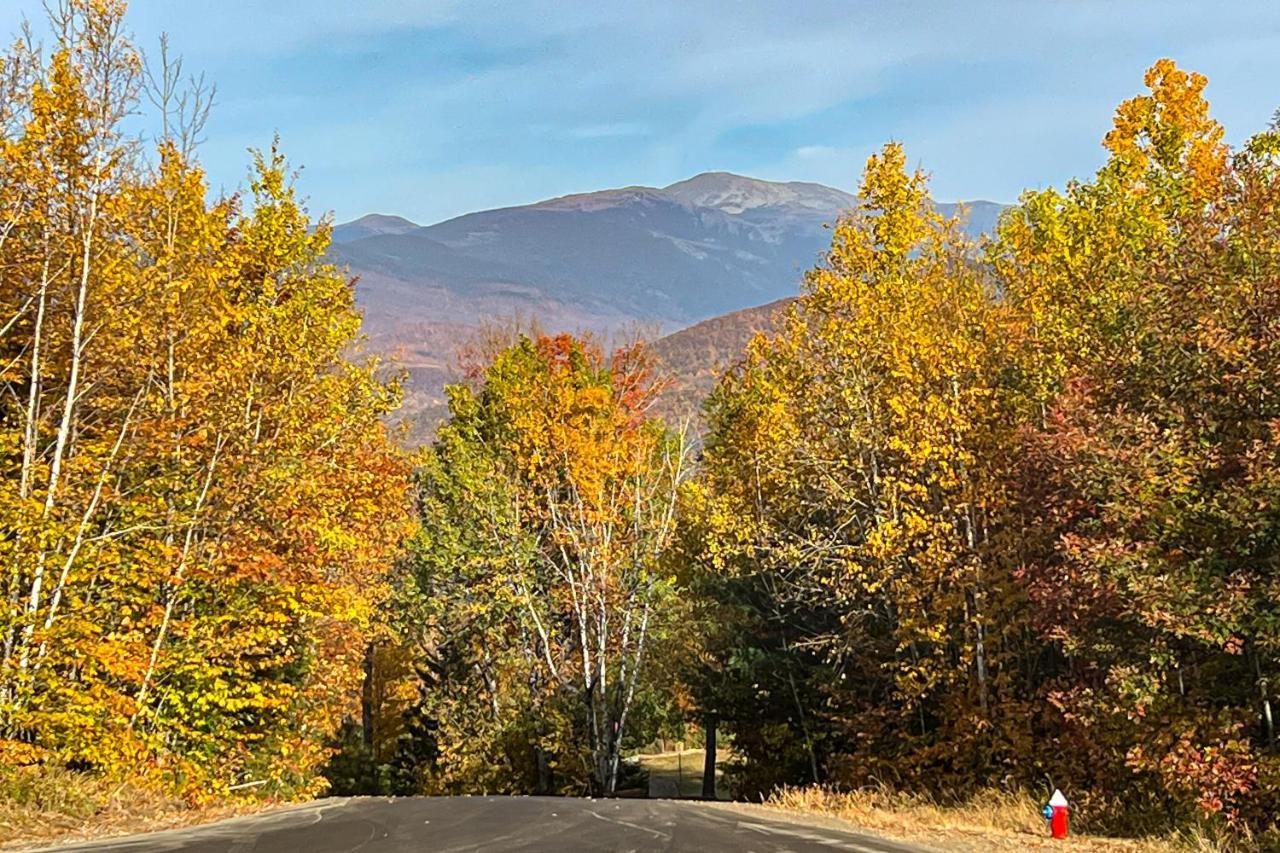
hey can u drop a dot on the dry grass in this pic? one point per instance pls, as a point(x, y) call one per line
point(40, 806)
point(679, 774)
point(991, 821)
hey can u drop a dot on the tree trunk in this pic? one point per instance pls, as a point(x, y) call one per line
point(709, 764)
point(544, 785)
point(366, 700)
point(1268, 721)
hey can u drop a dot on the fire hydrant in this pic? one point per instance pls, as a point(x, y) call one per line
point(1055, 814)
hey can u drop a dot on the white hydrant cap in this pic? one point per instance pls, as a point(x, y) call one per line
point(1058, 801)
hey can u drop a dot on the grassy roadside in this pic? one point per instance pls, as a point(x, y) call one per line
point(996, 821)
point(42, 806)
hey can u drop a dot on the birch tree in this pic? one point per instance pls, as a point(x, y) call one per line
point(564, 493)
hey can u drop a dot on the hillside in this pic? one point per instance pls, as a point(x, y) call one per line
point(693, 359)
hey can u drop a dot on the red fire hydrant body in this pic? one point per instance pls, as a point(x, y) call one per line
point(1058, 823)
point(1061, 809)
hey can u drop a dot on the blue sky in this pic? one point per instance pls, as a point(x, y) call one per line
point(432, 109)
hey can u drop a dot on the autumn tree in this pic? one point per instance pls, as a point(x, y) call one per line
point(199, 500)
point(856, 474)
point(1007, 512)
point(547, 507)
point(1149, 294)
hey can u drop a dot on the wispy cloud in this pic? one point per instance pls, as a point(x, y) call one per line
point(817, 152)
point(609, 131)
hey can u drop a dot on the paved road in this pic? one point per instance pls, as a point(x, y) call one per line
point(473, 824)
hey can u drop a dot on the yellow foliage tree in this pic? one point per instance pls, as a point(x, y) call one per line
point(199, 500)
point(859, 455)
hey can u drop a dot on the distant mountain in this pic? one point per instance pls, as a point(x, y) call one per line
point(659, 257)
point(712, 244)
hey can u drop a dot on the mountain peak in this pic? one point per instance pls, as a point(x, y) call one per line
point(371, 225)
point(735, 194)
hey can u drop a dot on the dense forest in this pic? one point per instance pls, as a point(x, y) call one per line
point(973, 515)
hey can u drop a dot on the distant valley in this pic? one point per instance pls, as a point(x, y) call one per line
point(637, 259)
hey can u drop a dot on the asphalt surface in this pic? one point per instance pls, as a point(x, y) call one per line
point(466, 824)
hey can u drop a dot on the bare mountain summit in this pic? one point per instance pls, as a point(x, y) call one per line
point(735, 194)
point(372, 225)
